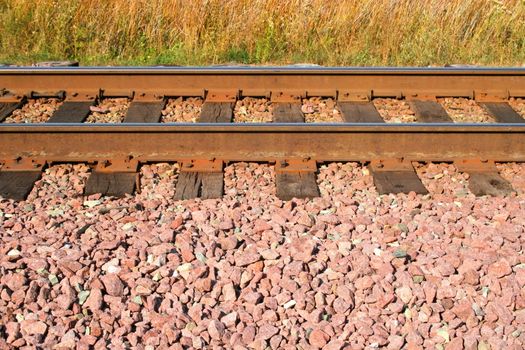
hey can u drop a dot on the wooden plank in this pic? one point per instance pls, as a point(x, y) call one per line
point(284, 112)
point(489, 183)
point(144, 112)
point(291, 185)
point(205, 184)
point(116, 184)
point(360, 112)
point(7, 108)
point(188, 185)
point(212, 185)
point(398, 181)
point(430, 112)
point(216, 112)
point(17, 184)
point(199, 184)
point(502, 112)
point(71, 112)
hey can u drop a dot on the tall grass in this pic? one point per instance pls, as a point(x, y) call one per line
point(343, 32)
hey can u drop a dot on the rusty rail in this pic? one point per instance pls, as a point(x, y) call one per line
point(116, 151)
point(353, 84)
point(148, 143)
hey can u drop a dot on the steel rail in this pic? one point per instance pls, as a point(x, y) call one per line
point(479, 83)
point(341, 142)
point(265, 70)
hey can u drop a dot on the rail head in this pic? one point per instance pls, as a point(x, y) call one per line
point(414, 128)
point(263, 70)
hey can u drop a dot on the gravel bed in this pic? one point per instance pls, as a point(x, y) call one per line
point(515, 174)
point(519, 105)
point(456, 184)
point(253, 110)
point(464, 110)
point(394, 111)
point(34, 111)
point(350, 269)
point(321, 110)
point(443, 179)
point(109, 110)
point(182, 110)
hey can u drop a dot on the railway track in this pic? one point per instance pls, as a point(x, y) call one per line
point(116, 151)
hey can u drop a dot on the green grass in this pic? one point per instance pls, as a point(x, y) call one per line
point(201, 32)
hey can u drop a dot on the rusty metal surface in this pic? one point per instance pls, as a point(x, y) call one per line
point(296, 165)
point(340, 142)
point(350, 83)
point(202, 166)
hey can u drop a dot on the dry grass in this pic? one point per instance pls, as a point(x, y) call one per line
point(344, 32)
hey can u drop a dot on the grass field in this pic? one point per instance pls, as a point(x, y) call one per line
point(196, 32)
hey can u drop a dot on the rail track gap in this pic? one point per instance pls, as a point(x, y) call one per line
point(394, 110)
point(109, 110)
point(321, 109)
point(253, 109)
point(181, 109)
